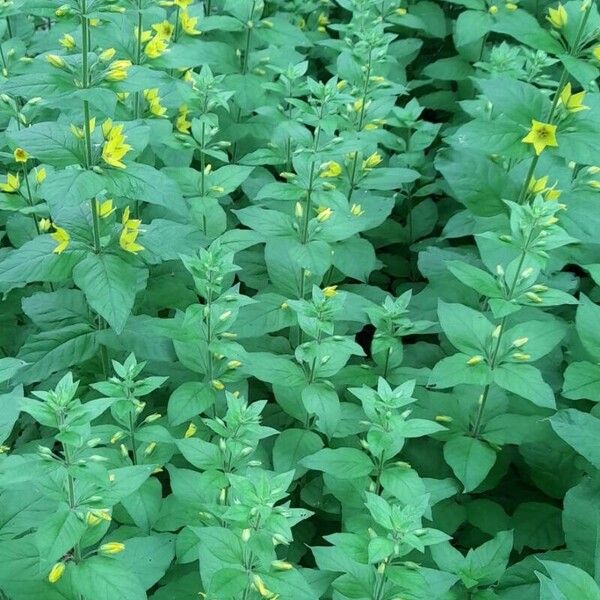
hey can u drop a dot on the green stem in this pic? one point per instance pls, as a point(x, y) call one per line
point(85, 42)
point(29, 197)
point(494, 356)
point(573, 50)
point(528, 177)
point(9, 27)
point(71, 497)
point(132, 438)
point(203, 175)
point(138, 57)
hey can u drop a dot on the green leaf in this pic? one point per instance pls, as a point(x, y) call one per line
point(582, 381)
point(59, 533)
point(189, 400)
point(110, 285)
point(467, 329)
point(104, 578)
point(148, 558)
point(471, 26)
point(343, 463)
point(581, 431)
point(538, 526)
point(71, 187)
point(587, 321)
point(525, 381)
point(51, 351)
point(291, 446)
point(35, 261)
point(51, 143)
point(470, 459)
point(572, 581)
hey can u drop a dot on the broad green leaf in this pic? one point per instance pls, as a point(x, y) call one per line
point(343, 463)
point(581, 431)
point(470, 459)
point(110, 285)
point(525, 381)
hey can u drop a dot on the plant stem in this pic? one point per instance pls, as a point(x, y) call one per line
point(138, 57)
point(132, 438)
point(494, 356)
point(85, 42)
point(29, 197)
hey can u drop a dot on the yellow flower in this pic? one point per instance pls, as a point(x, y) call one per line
point(537, 186)
point(341, 84)
point(190, 431)
point(551, 194)
point(372, 161)
point(105, 209)
point(118, 70)
point(596, 52)
point(128, 237)
point(94, 517)
point(401, 11)
point(94, 22)
point(114, 148)
point(541, 135)
point(357, 105)
point(558, 16)
point(260, 587)
point(323, 214)
point(44, 225)
point(79, 132)
point(55, 61)
point(188, 24)
point(521, 356)
point(356, 210)
point(322, 22)
point(40, 175)
point(112, 548)
point(12, 184)
point(217, 385)
point(107, 54)
point(475, 360)
point(62, 237)
point(511, 6)
point(155, 47)
point(493, 9)
point(519, 342)
point(56, 572)
point(21, 156)
point(282, 565)
point(164, 29)
point(572, 102)
point(151, 94)
point(330, 291)
point(182, 124)
point(331, 169)
point(67, 41)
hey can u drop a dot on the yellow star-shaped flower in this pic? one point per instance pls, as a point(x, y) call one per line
point(572, 102)
point(541, 135)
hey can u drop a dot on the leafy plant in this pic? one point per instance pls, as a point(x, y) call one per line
point(299, 300)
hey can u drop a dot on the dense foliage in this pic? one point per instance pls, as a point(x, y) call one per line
point(299, 300)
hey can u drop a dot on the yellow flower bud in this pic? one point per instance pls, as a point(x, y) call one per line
point(112, 548)
point(20, 155)
point(55, 61)
point(282, 565)
point(190, 431)
point(475, 360)
point(56, 572)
